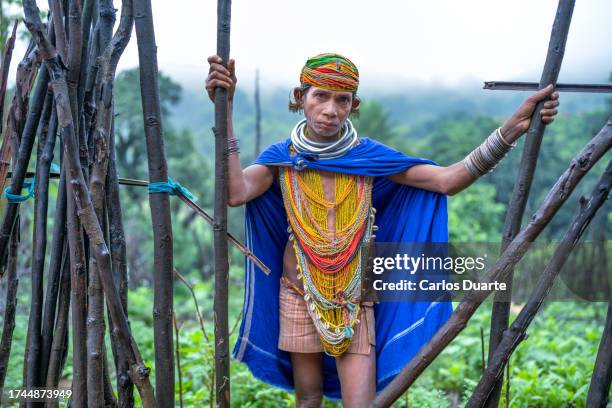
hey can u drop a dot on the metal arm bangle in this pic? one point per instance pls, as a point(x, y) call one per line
point(485, 157)
point(233, 146)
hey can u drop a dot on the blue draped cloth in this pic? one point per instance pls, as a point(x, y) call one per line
point(404, 214)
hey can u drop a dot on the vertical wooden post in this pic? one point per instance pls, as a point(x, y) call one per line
point(31, 371)
point(520, 193)
point(222, 376)
point(39, 243)
point(125, 387)
point(23, 158)
point(160, 205)
point(8, 324)
point(57, 250)
point(97, 180)
point(257, 116)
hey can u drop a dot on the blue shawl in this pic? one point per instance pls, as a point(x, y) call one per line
point(404, 214)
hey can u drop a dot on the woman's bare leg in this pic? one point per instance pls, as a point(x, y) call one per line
point(357, 374)
point(308, 379)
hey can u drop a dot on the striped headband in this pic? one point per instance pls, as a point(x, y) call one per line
point(330, 71)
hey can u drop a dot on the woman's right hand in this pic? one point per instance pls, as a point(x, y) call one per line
point(219, 76)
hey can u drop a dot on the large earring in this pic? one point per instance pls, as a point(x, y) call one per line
point(294, 104)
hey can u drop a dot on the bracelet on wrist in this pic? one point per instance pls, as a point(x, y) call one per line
point(233, 146)
point(487, 156)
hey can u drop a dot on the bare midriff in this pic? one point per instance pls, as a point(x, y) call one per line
point(289, 260)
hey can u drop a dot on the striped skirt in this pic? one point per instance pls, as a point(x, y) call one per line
point(299, 334)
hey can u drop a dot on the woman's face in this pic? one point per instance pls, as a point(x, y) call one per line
point(325, 110)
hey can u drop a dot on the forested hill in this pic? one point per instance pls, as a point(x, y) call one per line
point(406, 108)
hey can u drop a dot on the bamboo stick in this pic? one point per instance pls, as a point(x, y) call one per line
point(125, 387)
point(178, 359)
point(56, 9)
point(99, 166)
point(159, 203)
point(59, 348)
point(257, 115)
point(222, 373)
point(7, 55)
point(58, 243)
point(520, 193)
point(78, 299)
point(110, 401)
point(26, 72)
point(23, 158)
point(88, 9)
point(8, 324)
point(534, 86)
point(39, 242)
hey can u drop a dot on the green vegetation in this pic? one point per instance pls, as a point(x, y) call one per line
point(547, 370)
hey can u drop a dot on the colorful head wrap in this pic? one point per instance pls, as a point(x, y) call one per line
point(330, 71)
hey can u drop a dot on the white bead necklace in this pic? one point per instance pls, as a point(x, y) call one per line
point(324, 150)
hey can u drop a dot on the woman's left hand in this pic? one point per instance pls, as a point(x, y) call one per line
point(520, 120)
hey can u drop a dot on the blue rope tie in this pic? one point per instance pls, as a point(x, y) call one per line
point(55, 168)
point(171, 187)
point(18, 198)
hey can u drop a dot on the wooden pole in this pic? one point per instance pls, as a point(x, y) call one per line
point(33, 356)
point(579, 166)
point(257, 116)
point(517, 331)
point(58, 241)
point(5, 147)
point(125, 387)
point(32, 352)
point(97, 182)
point(159, 203)
point(520, 193)
point(7, 55)
point(23, 159)
point(78, 296)
point(8, 323)
point(534, 86)
point(602, 373)
point(222, 374)
point(59, 347)
point(26, 73)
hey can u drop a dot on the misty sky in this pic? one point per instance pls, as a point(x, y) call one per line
point(391, 42)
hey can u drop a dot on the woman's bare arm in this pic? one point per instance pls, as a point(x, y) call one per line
point(453, 179)
point(446, 180)
point(243, 185)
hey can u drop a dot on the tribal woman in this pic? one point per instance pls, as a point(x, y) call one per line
point(315, 202)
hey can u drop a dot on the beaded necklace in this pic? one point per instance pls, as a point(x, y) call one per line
point(329, 261)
